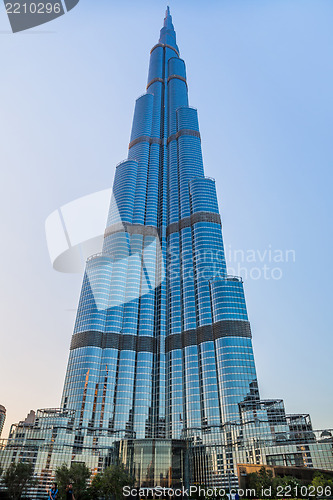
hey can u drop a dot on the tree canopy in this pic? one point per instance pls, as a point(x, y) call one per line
point(77, 474)
point(109, 484)
point(17, 478)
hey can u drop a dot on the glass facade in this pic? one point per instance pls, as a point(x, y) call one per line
point(162, 342)
point(161, 372)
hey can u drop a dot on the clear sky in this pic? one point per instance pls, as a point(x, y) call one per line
point(260, 73)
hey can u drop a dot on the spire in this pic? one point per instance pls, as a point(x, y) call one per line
point(168, 35)
point(168, 18)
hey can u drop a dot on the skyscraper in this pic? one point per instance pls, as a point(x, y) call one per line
point(161, 372)
point(159, 320)
point(2, 417)
point(162, 343)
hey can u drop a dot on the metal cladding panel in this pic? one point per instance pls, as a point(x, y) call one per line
point(142, 120)
point(176, 67)
point(190, 166)
point(141, 185)
point(173, 184)
point(156, 64)
point(153, 186)
point(187, 118)
point(228, 300)
point(157, 89)
point(203, 195)
point(124, 187)
point(177, 91)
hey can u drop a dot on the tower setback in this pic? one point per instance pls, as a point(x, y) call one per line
point(162, 342)
point(161, 373)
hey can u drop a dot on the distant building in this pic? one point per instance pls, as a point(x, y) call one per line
point(2, 417)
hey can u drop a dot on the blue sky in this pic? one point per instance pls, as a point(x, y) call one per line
point(261, 75)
